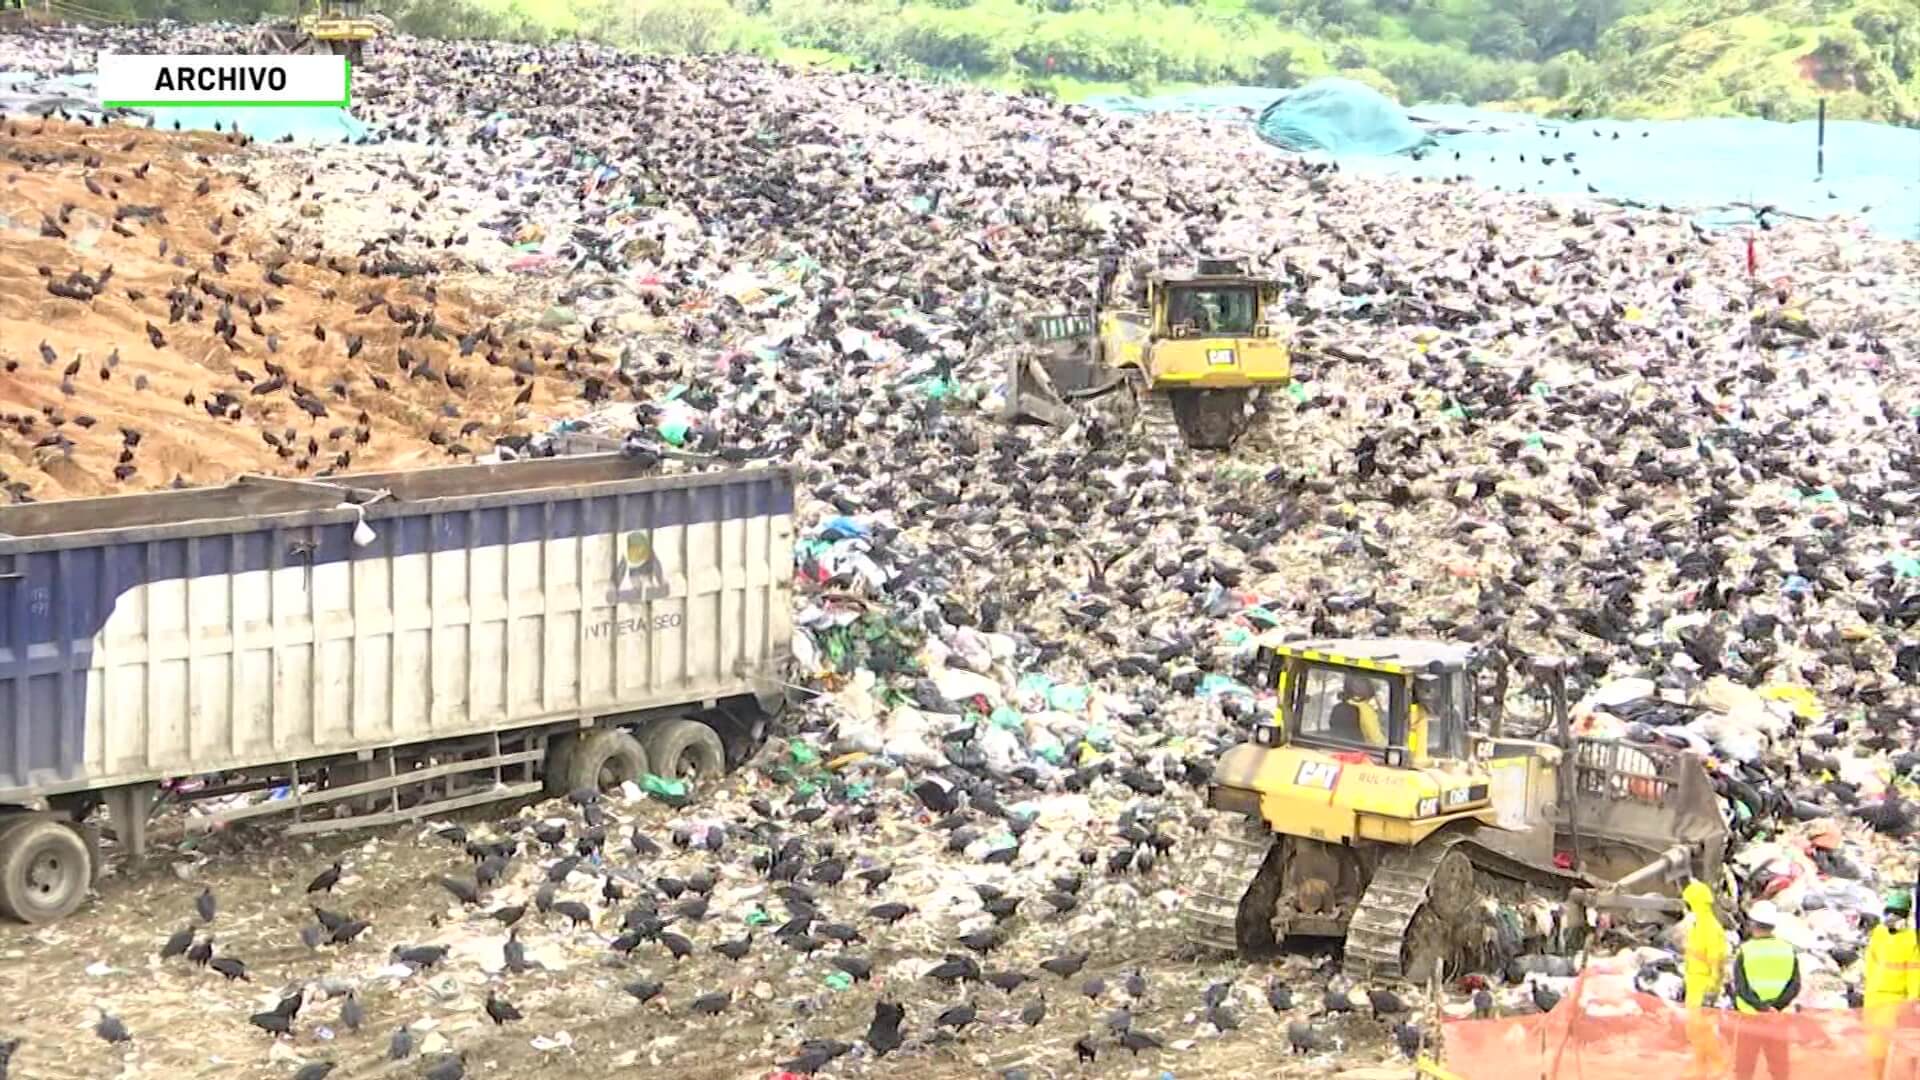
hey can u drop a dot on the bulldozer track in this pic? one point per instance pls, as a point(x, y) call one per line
point(1403, 884)
point(1235, 852)
point(1158, 424)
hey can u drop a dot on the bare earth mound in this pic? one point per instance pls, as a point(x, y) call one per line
point(154, 330)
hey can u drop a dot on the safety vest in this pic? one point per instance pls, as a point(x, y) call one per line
point(1893, 964)
point(1368, 718)
point(1768, 964)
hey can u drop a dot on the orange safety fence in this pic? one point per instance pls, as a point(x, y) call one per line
point(1606, 1030)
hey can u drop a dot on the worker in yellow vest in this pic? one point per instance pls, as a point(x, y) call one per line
point(1766, 979)
point(1357, 717)
point(1892, 977)
point(1705, 970)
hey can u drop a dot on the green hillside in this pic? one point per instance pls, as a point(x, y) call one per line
point(1631, 58)
point(1650, 58)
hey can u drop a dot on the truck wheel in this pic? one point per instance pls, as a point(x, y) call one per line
point(45, 869)
point(685, 749)
point(554, 769)
point(603, 760)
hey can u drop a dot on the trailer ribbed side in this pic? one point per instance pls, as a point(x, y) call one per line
point(129, 655)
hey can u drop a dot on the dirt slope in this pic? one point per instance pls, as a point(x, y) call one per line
point(167, 234)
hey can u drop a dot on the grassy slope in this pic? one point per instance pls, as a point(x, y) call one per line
point(1666, 58)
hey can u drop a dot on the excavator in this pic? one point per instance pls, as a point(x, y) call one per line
point(1372, 808)
point(1186, 358)
point(340, 27)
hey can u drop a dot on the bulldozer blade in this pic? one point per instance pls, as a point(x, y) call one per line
point(1033, 391)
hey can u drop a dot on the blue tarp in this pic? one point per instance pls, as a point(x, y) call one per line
point(1341, 117)
point(306, 124)
point(25, 92)
point(1704, 165)
point(1708, 165)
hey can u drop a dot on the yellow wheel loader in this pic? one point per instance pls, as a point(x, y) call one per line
point(340, 27)
point(1186, 358)
point(1375, 809)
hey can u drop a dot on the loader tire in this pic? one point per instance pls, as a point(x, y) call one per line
point(46, 868)
point(603, 760)
point(685, 750)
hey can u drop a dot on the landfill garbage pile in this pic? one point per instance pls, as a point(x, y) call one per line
point(1535, 424)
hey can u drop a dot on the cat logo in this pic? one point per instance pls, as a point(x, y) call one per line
point(1318, 774)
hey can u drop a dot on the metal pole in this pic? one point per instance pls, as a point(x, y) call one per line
point(1820, 152)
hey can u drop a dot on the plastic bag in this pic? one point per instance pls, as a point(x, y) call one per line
point(672, 792)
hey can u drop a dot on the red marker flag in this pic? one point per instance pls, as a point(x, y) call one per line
point(1753, 257)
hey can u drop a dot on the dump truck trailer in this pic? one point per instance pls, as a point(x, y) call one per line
point(374, 648)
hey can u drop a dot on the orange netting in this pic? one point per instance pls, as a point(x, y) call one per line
point(1605, 1030)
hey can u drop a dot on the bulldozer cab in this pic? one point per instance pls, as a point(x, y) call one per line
point(1218, 299)
point(319, 27)
point(1402, 704)
point(1183, 352)
point(1200, 309)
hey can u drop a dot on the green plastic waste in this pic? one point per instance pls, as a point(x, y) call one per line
point(1067, 698)
point(839, 980)
point(661, 787)
point(674, 431)
point(757, 917)
point(1033, 682)
point(936, 388)
point(1220, 684)
point(801, 753)
point(1905, 566)
point(1004, 717)
point(1054, 753)
point(1098, 737)
point(1297, 390)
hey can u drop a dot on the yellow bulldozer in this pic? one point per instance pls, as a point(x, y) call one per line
point(341, 27)
point(1183, 353)
point(1378, 807)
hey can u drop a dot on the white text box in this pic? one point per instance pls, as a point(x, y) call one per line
point(133, 80)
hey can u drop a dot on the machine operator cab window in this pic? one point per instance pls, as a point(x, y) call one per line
point(1443, 701)
point(1200, 311)
point(1344, 709)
